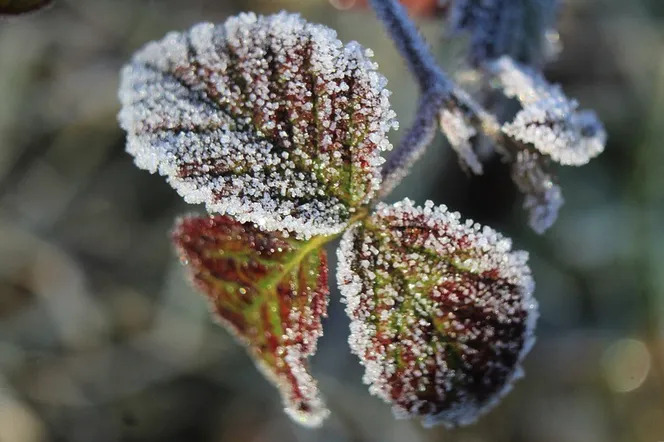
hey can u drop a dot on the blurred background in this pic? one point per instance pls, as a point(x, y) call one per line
point(101, 338)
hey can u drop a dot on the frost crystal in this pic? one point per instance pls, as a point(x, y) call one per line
point(271, 292)
point(459, 134)
point(522, 82)
point(549, 120)
point(518, 28)
point(271, 120)
point(543, 197)
point(442, 312)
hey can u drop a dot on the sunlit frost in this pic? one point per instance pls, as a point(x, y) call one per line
point(441, 310)
point(269, 119)
point(549, 121)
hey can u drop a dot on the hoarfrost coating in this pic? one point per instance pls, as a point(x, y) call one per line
point(543, 197)
point(270, 293)
point(549, 120)
point(442, 312)
point(459, 134)
point(269, 119)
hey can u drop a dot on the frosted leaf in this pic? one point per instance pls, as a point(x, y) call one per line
point(549, 120)
point(269, 119)
point(522, 82)
point(271, 292)
point(521, 29)
point(441, 310)
point(543, 197)
point(459, 134)
point(555, 128)
point(15, 7)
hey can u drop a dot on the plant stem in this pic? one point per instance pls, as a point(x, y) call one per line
point(412, 145)
point(409, 42)
point(437, 91)
point(312, 245)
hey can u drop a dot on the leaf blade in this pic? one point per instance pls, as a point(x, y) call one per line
point(268, 119)
point(441, 312)
point(270, 292)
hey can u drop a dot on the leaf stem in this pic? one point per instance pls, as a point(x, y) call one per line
point(409, 42)
point(437, 91)
point(413, 144)
point(310, 246)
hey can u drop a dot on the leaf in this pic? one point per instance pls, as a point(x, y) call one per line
point(549, 121)
point(555, 129)
point(271, 292)
point(522, 29)
point(522, 82)
point(441, 311)
point(15, 7)
point(269, 119)
point(459, 134)
point(543, 197)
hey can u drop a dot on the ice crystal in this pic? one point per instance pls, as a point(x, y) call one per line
point(459, 134)
point(556, 129)
point(549, 120)
point(524, 83)
point(271, 292)
point(441, 310)
point(269, 119)
point(543, 198)
point(521, 29)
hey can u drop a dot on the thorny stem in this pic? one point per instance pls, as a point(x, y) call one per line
point(436, 89)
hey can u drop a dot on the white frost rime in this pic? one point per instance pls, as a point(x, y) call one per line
point(549, 120)
point(271, 120)
point(459, 134)
point(441, 310)
point(543, 197)
point(276, 315)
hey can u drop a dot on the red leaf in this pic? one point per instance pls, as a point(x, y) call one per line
point(271, 292)
point(442, 311)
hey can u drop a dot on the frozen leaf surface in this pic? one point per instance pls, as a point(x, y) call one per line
point(271, 292)
point(543, 197)
point(549, 120)
point(269, 119)
point(459, 134)
point(522, 82)
point(441, 311)
point(555, 128)
point(14, 7)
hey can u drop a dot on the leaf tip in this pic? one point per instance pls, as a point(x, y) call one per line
point(270, 291)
